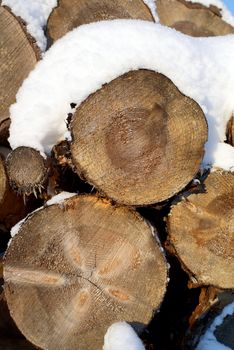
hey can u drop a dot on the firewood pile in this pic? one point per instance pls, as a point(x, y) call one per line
point(120, 222)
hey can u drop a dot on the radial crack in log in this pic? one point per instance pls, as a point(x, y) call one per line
point(192, 18)
point(76, 267)
point(27, 170)
point(72, 13)
point(17, 58)
point(201, 229)
point(138, 139)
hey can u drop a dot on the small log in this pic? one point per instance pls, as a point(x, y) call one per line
point(26, 170)
point(201, 231)
point(193, 19)
point(17, 58)
point(72, 13)
point(76, 267)
point(134, 132)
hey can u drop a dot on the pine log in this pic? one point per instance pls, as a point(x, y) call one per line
point(138, 139)
point(18, 57)
point(193, 19)
point(76, 267)
point(72, 13)
point(27, 170)
point(201, 231)
point(12, 208)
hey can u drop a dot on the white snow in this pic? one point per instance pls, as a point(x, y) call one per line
point(121, 336)
point(226, 14)
point(59, 198)
point(208, 340)
point(152, 5)
point(35, 13)
point(83, 60)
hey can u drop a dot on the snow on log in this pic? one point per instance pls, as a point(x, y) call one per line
point(76, 267)
point(17, 58)
point(134, 131)
point(70, 14)
point(193, 18)
point(26, 170)
point(95, 54)
point(121, 335)
point(201, 230)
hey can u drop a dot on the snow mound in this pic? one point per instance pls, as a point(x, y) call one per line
point(91, 55)
point(121, 336)
point(35, 13)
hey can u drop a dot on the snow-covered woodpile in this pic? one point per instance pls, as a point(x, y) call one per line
point(116, 174)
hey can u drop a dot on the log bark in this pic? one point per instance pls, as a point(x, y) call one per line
point(139, 139)
point(201, 230)
point(17, 58)
point(72, 13)
point(192, 18)
point(230, 131)
point(76, 267)
point(12, 208)
point(27, 170)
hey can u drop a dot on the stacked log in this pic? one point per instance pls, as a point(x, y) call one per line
point(192, 19)
point(88, 265)
point(70, 14)
point(19, 55)
point(201, 231)
point(78, 265)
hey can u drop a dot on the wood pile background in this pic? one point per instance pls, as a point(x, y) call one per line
point(102, 256)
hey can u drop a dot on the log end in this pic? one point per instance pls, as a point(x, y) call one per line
point(27, 170)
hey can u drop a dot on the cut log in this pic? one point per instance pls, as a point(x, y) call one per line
point(134, 132)
point(193, 19)
point(17, 58)
point(201, 230)
point(76, 267)
point(12, 208)
point(72, 13)
point(26, 170)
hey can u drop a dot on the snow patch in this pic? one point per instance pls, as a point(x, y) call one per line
point(121, 336)
point(208, 340)
point(35, 13)
point(152, 5)
point(59, 198)
point(87, 57)
point(226, 14)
